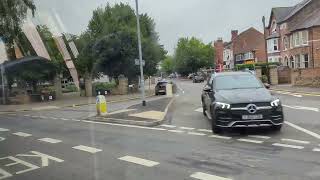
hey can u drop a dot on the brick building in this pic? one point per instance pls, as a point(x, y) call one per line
point(218, 56)
point(293, 35)
point(249, 47)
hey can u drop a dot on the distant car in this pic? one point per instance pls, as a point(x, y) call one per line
point(198, 79)
point(190, 76)
point(160, 88)
point(239, 99)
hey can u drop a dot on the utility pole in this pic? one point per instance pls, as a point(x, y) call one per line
point(2, 84)
point(140, 55)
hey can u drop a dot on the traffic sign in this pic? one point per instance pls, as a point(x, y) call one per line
point(137, 62)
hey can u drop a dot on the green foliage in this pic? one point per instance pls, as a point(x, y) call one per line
point(71, 88)
point(245, 66)
point(12, 14)
point(52, 48)
point(192, 54)
point(100, 86)
point(167, 65)
point(110, 43)
point(264, 78)
point(268, 64)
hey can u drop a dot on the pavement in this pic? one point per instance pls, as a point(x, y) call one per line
point(296, 89)
point(69, 102)
point(61, 144)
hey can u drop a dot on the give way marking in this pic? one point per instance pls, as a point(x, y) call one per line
point(23, 166)
point(204, 176)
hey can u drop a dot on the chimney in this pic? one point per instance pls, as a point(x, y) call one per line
point(218, 46)
point(234, 34)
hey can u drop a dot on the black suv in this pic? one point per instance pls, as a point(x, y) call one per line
point(239, 99)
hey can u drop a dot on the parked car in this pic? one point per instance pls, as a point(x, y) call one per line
point(239, 99)
point(160, 88)
point(198, 79)
point(190, 76)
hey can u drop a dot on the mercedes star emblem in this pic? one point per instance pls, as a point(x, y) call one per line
point(252, 108)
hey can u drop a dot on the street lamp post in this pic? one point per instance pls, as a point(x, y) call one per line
point(2, 84)
point(140, 55)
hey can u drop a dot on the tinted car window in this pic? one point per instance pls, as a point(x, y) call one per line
point(237, 82)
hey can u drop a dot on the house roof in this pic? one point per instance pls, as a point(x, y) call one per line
point(248, 40)
point(307, 21)
point(281, 12)
point(296, 9)
point(274, 35)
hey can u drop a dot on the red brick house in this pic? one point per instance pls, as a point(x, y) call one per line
point(293, 35)
point(249, 47)
point(218, 56)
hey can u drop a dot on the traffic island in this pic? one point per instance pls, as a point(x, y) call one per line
point(151, 115)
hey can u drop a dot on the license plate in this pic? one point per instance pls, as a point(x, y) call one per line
point(256, 116)
point(161, 90)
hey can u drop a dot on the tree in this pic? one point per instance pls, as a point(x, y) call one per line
point(192, 54)
point(12, 15)
point(111, 46)
point(167, 65)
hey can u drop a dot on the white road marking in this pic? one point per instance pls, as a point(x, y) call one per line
point(2, 139)
point(199, 110)
point(260, 137)
point(303, 130)
point(187, 128)
point(64, 119)
point(250, 141)
point(3, 129)
point(35, 116)
point(296, 141)
point(205, 130)
point(22, 134)
point(53, 118)
point(289, 93)
point(87, 149)
point(302, 108)
point(76, 120)
point(316, 150)
point(27, 115)
point(124, 125)
point(168, 126)
point(176, 131)
point(297, 95)
point(50, 140)
point(288, 146)
point(44, 117)
point(197, 134)
point(140, 161)
point(220, 137)
point(177, 95)
point(44, 108)
point(204, 176)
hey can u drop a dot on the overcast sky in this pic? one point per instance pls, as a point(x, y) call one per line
point(204, 19)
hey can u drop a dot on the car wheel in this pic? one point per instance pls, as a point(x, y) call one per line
point(215, 129)
point(277, 128)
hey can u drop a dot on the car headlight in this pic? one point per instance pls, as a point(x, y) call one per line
point(275, 103)
point(223, 105)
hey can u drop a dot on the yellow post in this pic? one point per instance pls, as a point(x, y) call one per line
point(101, 105)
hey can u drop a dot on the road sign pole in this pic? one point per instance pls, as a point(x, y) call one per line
point(3, 83)
point(140, 56)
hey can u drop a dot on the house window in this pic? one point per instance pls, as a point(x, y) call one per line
point(298, 61)
point(304, 37)
point(286, 61)
point(292, 62)
point(274, 27)
point(273, 45)
point(239, 57)
point(291, 41)
point(286, 43)
point(296, 37)
point(306, 60)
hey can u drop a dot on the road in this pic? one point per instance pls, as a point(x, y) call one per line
point(60, 144)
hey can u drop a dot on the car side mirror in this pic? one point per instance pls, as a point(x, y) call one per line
point(267, 86)
point(207, 89)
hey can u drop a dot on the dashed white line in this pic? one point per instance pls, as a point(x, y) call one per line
point(288, 146)
point(199, 110)
point(3, 129)
point(27, 115)
point(139, 161)
point(22, 134)
point(204, 176)
point(205, 130)
point(316, 150)
point(296, 141)
point(259, 137)
point(168, 126)
point(187, 128)
point(176, 131)
point(53, 118)
point(76, 120)
point(303, 130)
point(196, 134)
point(64, 119)
point(250, 141)
point(302, 108)
point(87, 149)
point(220, 137)
point(50, 140)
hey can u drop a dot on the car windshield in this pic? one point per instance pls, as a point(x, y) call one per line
point(237, 82)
